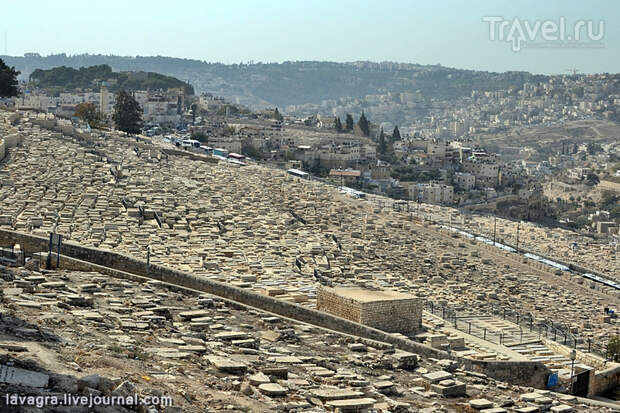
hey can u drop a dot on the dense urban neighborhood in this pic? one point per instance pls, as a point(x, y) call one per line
point(169, 246)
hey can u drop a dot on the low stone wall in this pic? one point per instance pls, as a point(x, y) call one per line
point(73, 264)
point(582, 357)
point(536, 264)
point(191, 155)
point(523, 373)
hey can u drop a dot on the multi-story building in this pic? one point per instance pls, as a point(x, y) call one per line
point(464, 180)
point(431, 193)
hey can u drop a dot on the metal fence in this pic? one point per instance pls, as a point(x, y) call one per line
point(558, 332)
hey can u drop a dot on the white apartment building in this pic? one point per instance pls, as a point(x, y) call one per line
point(486, 173)
point(431, 193)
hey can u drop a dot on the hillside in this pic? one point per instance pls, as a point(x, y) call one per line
point(68, 78)
point(293, 83)
point(547, 140)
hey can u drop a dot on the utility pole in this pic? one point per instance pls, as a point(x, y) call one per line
point(494, 229)
point(518, 225)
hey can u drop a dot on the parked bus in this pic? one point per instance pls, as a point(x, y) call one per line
point(298, 173)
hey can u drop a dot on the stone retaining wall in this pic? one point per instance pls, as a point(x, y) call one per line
point(604, 381)
point(524, 373)
point(92, 259)
point(32, 243)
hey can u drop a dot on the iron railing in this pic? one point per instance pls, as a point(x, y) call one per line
point(557, 332)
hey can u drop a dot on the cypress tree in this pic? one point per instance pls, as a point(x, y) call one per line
point(338, 124)
point(364, 124)
point(396, 134)
point(349, 122)
point(127, 113)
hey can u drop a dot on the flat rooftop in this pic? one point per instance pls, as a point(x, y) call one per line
point(368, 296)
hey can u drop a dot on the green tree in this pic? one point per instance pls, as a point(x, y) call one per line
point(228, 130)
point(382, 146)
point(86, 77)
point(396, 134)
point(613, 348)
point(277, 115)
point(227, 109)
point(364, 124)
point(127, 113)
point(194, 110)
point(592, 179)
point(608, 200)
point(338, 124)
point(89, 114)
point(349, 122)
point(252, 151)
point(8, 81)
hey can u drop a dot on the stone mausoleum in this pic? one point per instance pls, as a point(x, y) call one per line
point(390, 311)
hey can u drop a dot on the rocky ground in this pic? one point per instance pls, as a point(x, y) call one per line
point(92, 335)
point(261, 229)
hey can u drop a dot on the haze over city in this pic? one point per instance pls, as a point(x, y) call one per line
point(451, 33)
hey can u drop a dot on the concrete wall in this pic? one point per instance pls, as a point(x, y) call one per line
point(118, 265)
point(535, 264)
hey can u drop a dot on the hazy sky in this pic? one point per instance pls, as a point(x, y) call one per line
point(452, 33)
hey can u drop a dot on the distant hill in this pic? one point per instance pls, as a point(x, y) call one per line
point(261, 85)
point(64, 77)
